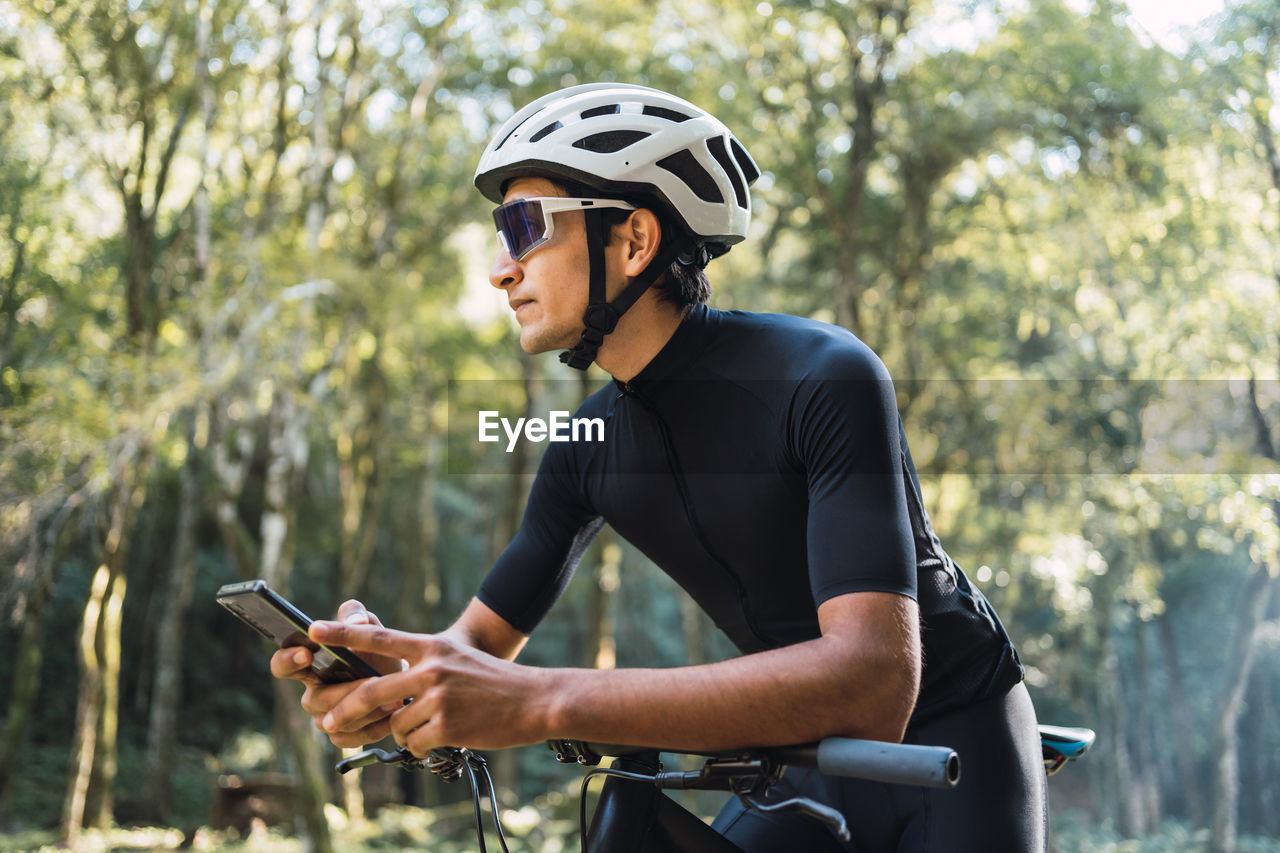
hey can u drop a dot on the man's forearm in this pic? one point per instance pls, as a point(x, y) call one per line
point(858, 679)
point(855, 681)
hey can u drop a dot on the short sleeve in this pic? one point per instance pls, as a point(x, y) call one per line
point(534, 569)
point(845, 432)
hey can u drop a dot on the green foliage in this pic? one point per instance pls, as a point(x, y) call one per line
point(1073, 833)
point(1062, 240)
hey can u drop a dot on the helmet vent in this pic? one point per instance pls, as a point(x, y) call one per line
point(610, 141)
point(716, 146)
point(663, 112)
point(551, 128)
point(607, 110)
point(686, 167)
point(748, 166)
point(510, 134)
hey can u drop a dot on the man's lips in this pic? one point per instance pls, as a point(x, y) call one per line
point(517, 304)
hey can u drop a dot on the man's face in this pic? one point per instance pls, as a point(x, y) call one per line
point(547, 288)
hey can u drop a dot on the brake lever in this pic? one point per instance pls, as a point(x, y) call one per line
point(374, 755)
point(815, 810)
point(447, 762)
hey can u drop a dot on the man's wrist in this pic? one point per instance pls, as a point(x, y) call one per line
point(554, 706)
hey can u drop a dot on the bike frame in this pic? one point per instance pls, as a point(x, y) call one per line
point(633, 817)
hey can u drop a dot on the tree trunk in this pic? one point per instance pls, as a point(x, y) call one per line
point(867, 94)
point(1225, 778)
point(1258, 813)
point(695, 635)
point(415, 608)
point(1183, 731)
point(286, 448)
point(420, 585)
point(29, 612)
point(1146, 776)
point(26, 675)
point(10, 302)
point(90, 800)
point(166, 693)
point(310, 791)
point(602, 645)
point(362, 462)
point(1123, 781)
point(88, 712)
point(231, 464)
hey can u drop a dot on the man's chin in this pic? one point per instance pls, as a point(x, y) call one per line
point(533, 343)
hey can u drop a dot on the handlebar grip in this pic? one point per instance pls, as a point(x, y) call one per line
point(896, 763)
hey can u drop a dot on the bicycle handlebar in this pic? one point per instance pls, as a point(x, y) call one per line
point(876, 761)
point(745, 772)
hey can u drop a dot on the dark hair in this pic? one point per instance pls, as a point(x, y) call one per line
point(681, 284)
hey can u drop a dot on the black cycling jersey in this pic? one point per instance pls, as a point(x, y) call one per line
point(760, 461)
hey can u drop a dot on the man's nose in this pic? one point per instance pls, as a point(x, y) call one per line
point(504, 272)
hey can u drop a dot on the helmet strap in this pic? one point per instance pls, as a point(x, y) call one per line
point(601, 316)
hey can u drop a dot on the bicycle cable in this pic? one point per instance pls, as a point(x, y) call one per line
point(448, 763)
point(582, 793)
point(493, 805)
point(470, 762)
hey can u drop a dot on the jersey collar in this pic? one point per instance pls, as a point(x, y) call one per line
point(686, 343)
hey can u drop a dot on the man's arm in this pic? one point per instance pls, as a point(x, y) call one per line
point(859, 679)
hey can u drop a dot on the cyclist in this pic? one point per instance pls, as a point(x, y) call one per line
point(759, 460)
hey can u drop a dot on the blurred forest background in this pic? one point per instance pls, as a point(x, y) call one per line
point(241, 264)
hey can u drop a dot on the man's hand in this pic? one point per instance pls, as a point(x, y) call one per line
point(318, 698)
point(459, 695)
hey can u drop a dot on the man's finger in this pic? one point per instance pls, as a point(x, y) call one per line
point(320, 698)
point(353, 612)
point(367, 638)
point(374, 695)
point(291, 662)
point(408, 719)
point(352, 740)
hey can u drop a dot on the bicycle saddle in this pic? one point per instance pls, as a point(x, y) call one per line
point(1061, 744)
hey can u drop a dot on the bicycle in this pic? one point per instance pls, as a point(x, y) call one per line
point(623, 813)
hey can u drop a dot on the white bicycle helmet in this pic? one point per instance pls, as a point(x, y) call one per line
point(624, 140)
point(627, 141)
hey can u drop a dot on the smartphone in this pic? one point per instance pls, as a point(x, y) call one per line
point(275, 618)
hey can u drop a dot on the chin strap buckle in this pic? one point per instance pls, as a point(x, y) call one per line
point(599, 320)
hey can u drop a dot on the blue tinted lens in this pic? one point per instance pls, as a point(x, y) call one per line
point(521, 225)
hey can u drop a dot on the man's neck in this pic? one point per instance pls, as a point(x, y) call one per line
point(641, 334)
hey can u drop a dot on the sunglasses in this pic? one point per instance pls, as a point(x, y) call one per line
point(527, 223)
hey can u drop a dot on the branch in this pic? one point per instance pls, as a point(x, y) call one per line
point(9, 302)
point(353, 98)
point(1266, 446)
point(141, 171)
point(166, 160)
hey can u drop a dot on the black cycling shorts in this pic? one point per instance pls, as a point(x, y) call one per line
point(999, 804)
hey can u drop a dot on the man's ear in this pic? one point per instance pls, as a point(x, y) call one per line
point(640, 236)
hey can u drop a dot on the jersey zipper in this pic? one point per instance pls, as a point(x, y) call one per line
point(677, 473)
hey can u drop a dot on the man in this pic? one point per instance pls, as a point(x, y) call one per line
point(757, 459)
